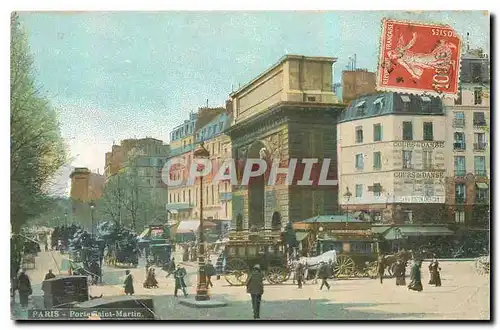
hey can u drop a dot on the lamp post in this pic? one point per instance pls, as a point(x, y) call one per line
point(201, 288)
point(347, 198)
point(320, 243)
point(66, 219)
point(92, 206)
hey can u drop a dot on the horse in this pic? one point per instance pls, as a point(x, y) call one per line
point(390, 260)
point(314, 263)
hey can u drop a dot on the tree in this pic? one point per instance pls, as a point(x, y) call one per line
point(37, 148)
point(129, 201)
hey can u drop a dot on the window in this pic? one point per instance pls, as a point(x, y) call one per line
point(459, 141)
point(170, 198)
point(359, 190)
point(459, 216)
point(359, 134)
point(406, 158)
point(459, 120)
point(458, 100)
point(459, 193)
point(482, 193)
point(311, 99)
point(479, 119)
point(379, 104)
point(189, 196)
point(377, 160)
point(408, 216)
point(478, 96)
point(407, 131)
point(377, 189)
point(361, 106)
point(361, 247)
point(428, 131)
point(479, 141)
point(183, 196)
point(221, 126)
point(406, 102)
point(426, 103)
point(377, 216)
point(359, 162)
point(427, 159)
point(459, 165)
point(480, 165)
point(377, 132)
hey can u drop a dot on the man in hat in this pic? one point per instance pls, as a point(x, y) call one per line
point(180, 283)
point(24, 288)
point(255, 287)
point(49, 275)
point(128, 284)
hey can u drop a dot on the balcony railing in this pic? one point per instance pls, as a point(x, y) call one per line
point(480, 123)
point(459, 199)
point(459, 172)
point(459, 123)
point(482, 200)
point(480, 172)
point(459, 146)
point(480, 146)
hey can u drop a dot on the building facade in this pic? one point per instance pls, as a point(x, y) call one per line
point(289, 111)
point(86, 187)
point(392, 164)
point(468, 153)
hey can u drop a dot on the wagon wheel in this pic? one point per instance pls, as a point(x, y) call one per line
point(277, 275)
point(372, 269)
point(236, 272)
point(345, 266)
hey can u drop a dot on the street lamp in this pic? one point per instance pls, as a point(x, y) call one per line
point(320, 243)
point(347, 198)
point(92, 206)
point(201, 288)
point(66, 219)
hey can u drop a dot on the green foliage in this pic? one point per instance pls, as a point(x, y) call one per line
point(37, 149)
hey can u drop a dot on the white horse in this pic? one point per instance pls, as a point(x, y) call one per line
point(313, 263)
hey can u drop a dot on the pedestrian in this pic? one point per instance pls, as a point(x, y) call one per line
point(180, 282)
point(209, 272)
point(435, 278)
point(416, 277)
point(324, 273)
point(150, 281)
point(170, 267)
point(299, 274)
point(49, 275)
point(128, 284)
point(400, 272)
point(24, 288)
point(381, 268)
point(255, 287)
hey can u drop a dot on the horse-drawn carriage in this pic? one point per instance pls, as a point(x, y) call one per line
point(241, 253)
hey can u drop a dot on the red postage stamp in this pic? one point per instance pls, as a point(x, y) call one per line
point(418, 58)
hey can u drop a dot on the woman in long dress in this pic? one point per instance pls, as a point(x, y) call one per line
point(435, 276)
point(400, 273)
point(416, 277)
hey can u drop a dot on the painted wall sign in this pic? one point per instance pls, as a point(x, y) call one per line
point(419, 144)
point(419, 175)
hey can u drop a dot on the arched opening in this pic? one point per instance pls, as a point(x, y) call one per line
point(276, 221)
point(256, 191)
point(239, 222)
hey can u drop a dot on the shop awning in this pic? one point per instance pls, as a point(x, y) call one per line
point(189, 226)
point(144, 233)
point(301, 235)
point(178, 206)
point(482, 185)
point(403, 232)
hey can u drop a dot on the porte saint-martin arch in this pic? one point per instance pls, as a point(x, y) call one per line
point(287, 112)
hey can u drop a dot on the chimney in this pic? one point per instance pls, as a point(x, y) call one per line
point(229, 107)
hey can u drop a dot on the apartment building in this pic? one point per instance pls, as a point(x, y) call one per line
point(183, 199)
point(391, 158)
point(468, 156)
point(182, 135)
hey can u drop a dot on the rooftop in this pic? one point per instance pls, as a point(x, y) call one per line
point(281, 61)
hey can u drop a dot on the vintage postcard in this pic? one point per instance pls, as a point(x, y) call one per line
point(240, 165)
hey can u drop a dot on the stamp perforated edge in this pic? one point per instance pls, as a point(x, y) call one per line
point(416, 91)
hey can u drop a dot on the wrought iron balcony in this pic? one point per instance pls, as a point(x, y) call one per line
point(480, 123)
point(459, 199)
point(459, 146)
point(460, 173)
point(480, 172)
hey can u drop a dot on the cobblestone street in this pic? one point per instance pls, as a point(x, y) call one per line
point(464, 295)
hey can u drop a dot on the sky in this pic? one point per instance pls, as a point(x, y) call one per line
point(118, 75)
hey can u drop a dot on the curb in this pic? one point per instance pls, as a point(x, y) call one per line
point(202, 304)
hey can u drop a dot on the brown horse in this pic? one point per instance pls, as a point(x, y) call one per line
point(390, 260)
